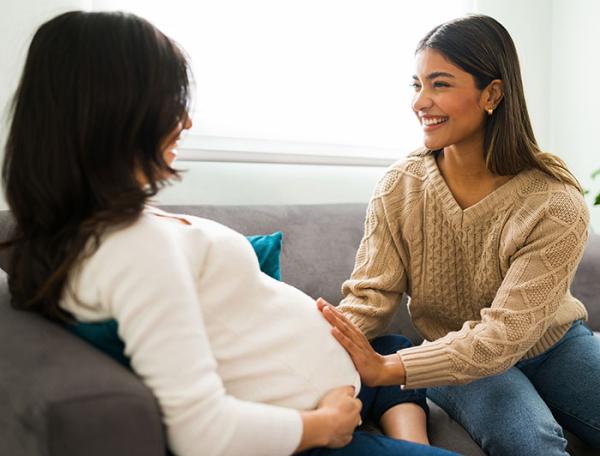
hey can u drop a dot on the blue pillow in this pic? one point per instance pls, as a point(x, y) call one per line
point(104, 334)
point(268, 250)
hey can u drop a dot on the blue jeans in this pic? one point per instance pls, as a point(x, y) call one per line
point(376, 401)
point(524, 410)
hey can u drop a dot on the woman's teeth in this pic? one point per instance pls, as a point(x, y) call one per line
point(433, 120)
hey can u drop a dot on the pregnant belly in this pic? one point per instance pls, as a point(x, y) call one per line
point(291, 363)
point(279, 350)
point(296, 376)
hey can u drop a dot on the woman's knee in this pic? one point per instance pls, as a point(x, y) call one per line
point(532, 439)
point(504, 414)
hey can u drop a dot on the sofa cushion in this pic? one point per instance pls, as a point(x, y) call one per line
point(60, 397)
point(586, 284)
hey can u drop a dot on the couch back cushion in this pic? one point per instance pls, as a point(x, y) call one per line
point(320, 243)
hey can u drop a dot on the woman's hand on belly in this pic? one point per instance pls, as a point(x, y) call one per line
point(374, 369)
point(333, 422)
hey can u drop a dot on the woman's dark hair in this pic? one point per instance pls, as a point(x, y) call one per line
point(99, 94)
point(482, 47)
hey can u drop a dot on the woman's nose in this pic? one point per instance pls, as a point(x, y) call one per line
point(421, 100)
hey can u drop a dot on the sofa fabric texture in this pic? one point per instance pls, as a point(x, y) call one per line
point(61, 396)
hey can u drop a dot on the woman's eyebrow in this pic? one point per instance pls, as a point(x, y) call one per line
point(435, 74)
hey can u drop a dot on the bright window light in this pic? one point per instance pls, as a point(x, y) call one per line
point(331, 76)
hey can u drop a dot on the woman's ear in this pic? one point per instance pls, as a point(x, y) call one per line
point(492, 95)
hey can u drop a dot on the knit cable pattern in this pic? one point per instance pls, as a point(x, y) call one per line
point(489, 285)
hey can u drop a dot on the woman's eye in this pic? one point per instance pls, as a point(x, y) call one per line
point(439, 84)
point(415, 85)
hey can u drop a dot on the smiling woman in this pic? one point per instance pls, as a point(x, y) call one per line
point(452, 109)
point(484, 231)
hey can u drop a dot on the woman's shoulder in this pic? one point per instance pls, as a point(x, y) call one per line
point(542, 197)
point(554, 195)
point(408, 172)
point(155, 232)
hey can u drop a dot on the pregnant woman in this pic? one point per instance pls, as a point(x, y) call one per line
point(241, 364)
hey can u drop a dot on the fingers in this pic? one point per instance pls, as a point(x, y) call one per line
point(336, 315)
point(348, 390)
point(321, 304)
point(352, 348)
point(331, 314)
point(360, 405)
point(335, 318)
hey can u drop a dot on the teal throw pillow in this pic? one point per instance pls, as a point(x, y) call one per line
point(104, 334)
point(268, 251)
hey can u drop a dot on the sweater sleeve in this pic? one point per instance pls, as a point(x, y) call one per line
point(147, 281)
point(373, 291)
point(525, 305)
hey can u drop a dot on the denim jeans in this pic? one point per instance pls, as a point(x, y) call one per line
point(376, 401)
point(523, 411)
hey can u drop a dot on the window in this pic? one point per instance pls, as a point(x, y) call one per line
point(299, 80)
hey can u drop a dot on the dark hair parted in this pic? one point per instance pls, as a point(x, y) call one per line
point(99, 94)
point(482, 47)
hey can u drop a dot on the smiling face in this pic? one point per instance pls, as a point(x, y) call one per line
point(448, 104)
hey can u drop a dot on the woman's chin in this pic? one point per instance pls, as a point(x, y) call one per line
point(433, 143)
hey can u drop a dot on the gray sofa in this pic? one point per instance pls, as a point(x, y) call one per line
point(61, 397)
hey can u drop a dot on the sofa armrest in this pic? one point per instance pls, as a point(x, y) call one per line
point(60, 396)
point(586, 284)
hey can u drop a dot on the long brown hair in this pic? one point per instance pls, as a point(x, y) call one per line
point(482, 47)
point(98, 95)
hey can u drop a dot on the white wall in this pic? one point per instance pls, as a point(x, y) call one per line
point(557, 44)
point(18, 21)
point(208, 183)
point(529, 23)
point(212, 183)
point(575, 93)
point(238, 183)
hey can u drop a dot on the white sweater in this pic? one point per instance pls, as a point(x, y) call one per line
point(230, 353)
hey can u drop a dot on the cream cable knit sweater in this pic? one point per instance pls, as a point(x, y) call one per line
point(489, 285)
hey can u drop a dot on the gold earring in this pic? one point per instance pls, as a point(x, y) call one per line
point(490, 110)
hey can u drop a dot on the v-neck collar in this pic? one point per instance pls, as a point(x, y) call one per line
point(474, 213)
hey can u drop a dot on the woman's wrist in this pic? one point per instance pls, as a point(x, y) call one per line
point(316, 429)
point(392, 371)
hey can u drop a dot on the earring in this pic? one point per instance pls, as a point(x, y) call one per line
point(490, 110)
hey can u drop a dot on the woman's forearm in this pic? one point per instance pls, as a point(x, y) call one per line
point(315, 430)
point(333, 422)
